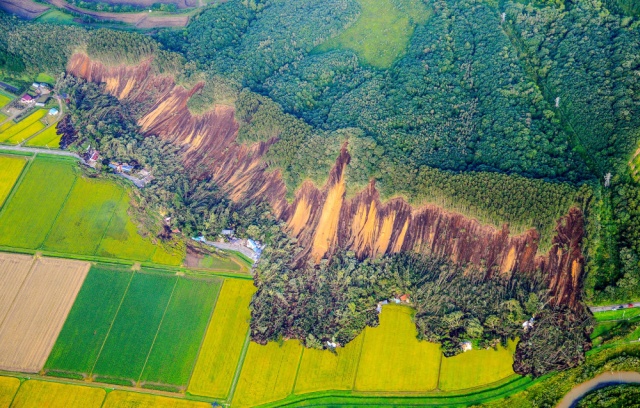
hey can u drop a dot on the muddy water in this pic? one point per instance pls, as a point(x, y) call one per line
point(603, 380)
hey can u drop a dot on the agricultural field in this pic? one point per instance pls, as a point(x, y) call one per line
point(171, 360)
point(119, 399)
point(134, 329)
point(613, 315)
point(224, 341)
point(382, 31)
point(476, 368)
point(47, 138)
point(8, 388)
point(16, 133)
point(36, 203)
point(268, 373)
point(60, 211)
point(13, 271)
point(85, 216)
point(89, 321)
point(39, 309)
point(10, 169)
point(4, 99)
point(56, 17)
point(38, 394)
point(321, 370)
point(393, 360)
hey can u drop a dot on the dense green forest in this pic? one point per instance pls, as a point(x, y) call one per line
point(613, 396)
point(508, 112)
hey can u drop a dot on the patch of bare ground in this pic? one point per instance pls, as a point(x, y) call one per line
point(181, 4)
point(23, 8)
point(38, 311)
point(140, 20)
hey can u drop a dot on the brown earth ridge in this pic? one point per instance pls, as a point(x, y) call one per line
point(323, 219)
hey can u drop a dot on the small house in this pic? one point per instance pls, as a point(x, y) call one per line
point(404, 298)
point(27, 99)
point(40, 104)
point(124, 167)
point(227, 232)
point(53, 111)
point(466, 346)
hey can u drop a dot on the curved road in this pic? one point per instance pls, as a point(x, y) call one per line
point(611, 378)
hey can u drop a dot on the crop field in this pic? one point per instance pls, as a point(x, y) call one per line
point(48, 138)
point(171, 360)
point(119, 399)
point(382, 31)
point(35, 318)
point(8, 388)
point(28, 216)
point(10, 169)
point(38, 394)
point(4, 99)
point(13, 271)
point(321, 370)
point(90, 318)
point(612, 315)
point(393, 360)
point(134, 329)
point(23, 129)
point(475, 368)
point(85, 216)
point(268, 373)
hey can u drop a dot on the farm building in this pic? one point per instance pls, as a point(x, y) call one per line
point(53, 111)
point(227, 232)
point(404, 298)
point(466, 346)
point(27, 99)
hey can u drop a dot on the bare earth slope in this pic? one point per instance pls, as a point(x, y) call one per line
point(322, 218)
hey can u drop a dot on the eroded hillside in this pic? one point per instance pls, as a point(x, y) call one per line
point(322, 218)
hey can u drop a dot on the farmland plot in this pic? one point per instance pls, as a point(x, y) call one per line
point(4, 100)
point(322, 370)
point(38, 312)
point(268, 373)
point(13, 271)
point(28, 216)
point(393, 359)
point(134, 328)
point(13, 131)
point(38, 394)
point(119, 399)
point(223, 343)
point(8, 388)
point(176, 347)
point(48, 138)
point(10, 169)
point(84, 217)
point(86, 328)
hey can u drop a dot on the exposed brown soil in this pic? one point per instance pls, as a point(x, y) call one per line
point(322, 218)
point(179, 3)
point(140, 20)
point(23, 8)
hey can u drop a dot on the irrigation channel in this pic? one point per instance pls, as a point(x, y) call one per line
point(605, 379)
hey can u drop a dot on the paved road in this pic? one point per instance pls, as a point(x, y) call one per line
point(595, 309)
point(40, 150)
point(603, 380)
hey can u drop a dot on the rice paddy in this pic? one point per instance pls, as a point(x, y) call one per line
point(38, 394)
point(47, 138)
point(10, 169)
point(16, 133)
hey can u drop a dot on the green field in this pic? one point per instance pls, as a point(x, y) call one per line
point(29, 215)
point(223, 343)
point(393, 359)
point(382, 31)
point(176, 347)
point(617, 314)
point(10, 169)
point(476, 368)
point(48, 138)
point(85, 216)
point(134, 329)
point(39, 394)
point(4, 99)
point(321, 370)
point(89, 320)
point(56, 17)
point(23, 129)
point(268, 373)
point(44, 77)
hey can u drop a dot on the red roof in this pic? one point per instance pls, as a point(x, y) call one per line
point(404, 298)
point(27, 97)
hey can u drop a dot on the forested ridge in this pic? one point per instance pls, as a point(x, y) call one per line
point(508, 118)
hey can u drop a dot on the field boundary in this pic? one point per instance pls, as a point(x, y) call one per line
point(236, 375)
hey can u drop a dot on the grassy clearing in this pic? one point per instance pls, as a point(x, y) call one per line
point(393, 359)
point(219, 263)
point(44, 77)
point(86, 214)
point(48, 138)
point(8, 388)
point(268, 373)
point(30, 213)
point(476, 368)
point(56, 17)
point(176, 347)
point(10, 169)
point(22, 128)
point(223, 343)
point(322, 370)
point(88, 323)
point(382, 31)
point(615, 314)
point(119, 399)
point(39, 394)
point(135, 326)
